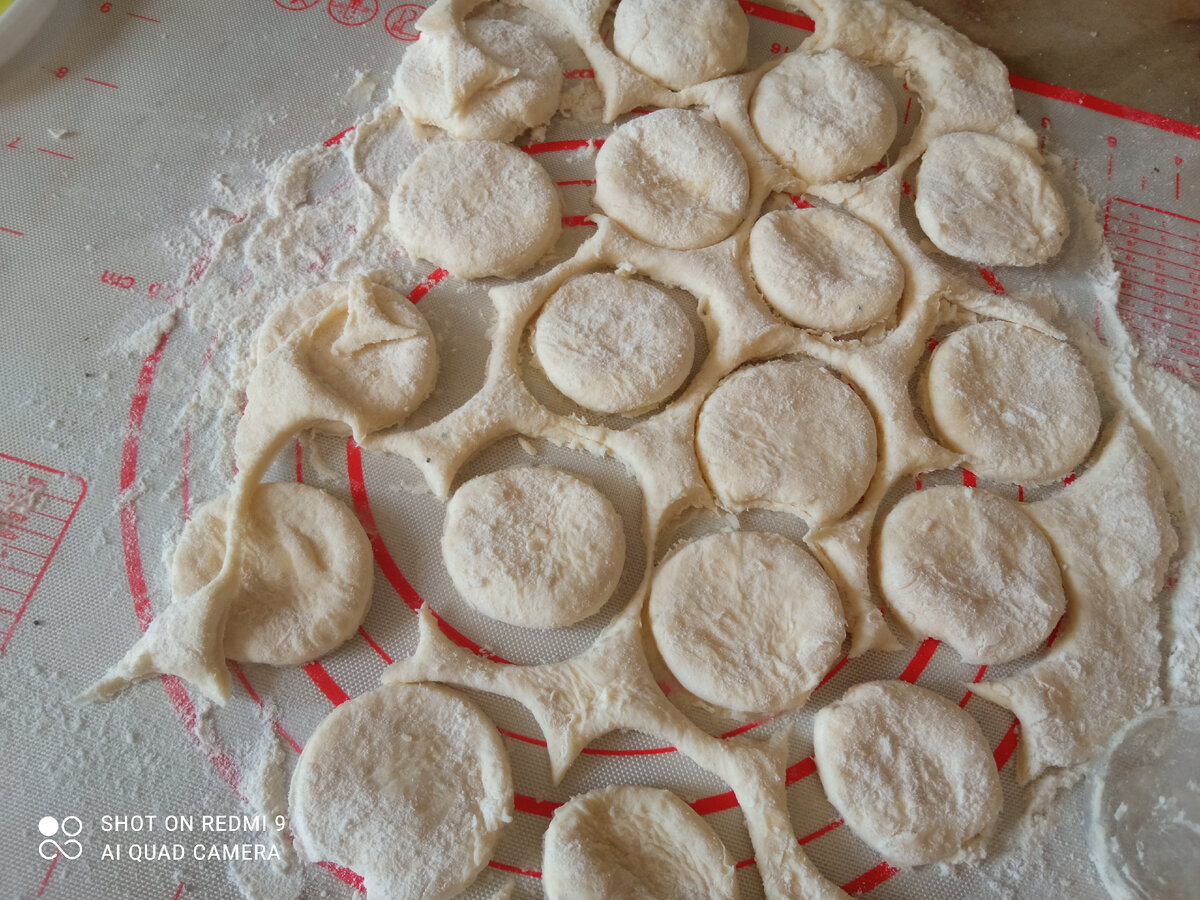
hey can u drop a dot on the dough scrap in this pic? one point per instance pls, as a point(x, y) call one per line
point(985, 200)
point(476, 208)
point(674, 179)
point(614, 344)
point(909, 771)
point(969, 568)
point(409, 786)
point(636, 843)
point(746, 620)
point(681, 42)
point(789, 436)
point(824, 268)
point(524, 96)
point(824, 115)
point(1018, 403)
point(536, 547)
point(306, 577)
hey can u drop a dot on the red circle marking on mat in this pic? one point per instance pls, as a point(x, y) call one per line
point(400, 21)
point(353, 12)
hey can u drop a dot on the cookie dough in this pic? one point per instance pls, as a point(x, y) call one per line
point(533, 546)
point(523, 96)
point(306, 576)
point(674, 179)
point(409, 786)
point(614, 344)
point(823, 268)
point(909, 771)
point(789, 436)
point(985, 200)
point(476, 208)
point(631, 841)
point(746, 620)
point(1018, 403)
point(969, 568)
point(824, 115)
point(681, 42)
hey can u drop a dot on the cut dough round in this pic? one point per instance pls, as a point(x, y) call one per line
point(985, 200)
point(824, 115)
point(969, 568)
point(747, 621)
point(674, 179)
point(787, 436)
point(681, 42)
point(306, 576)
point(1018, 403)
point(409, 786)
point(909, 771)
point(426, 87)
point(614, 344)
point(533, 546)
point(825, 269)
point(477, 208)
point(631, 841)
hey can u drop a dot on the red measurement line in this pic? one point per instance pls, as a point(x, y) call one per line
point(31, 531)
point(348, 876)
point(427, 284)
point(535, 807)
point(374, 646)
point(920, 660)
point(1078, 98)
point(1008, 743)
point(808, 838)
point(104, 83)
point(779, 16)
point(579, 73)
point(1129, 265)
point(576, 221)
point(11, 591)
point(55, 153)
point(9, 612)
point(23, 550)
point(868, 881)
point(577, 181)
point(1153, 209)
point(560, 146)
point(969, 694)
point(1169, 337)
point(33, 489)
point(1153, 302)
point(1113, 218)
point(992, 281)
point(46, 515)
point(49, 872)
point(1137, 312)
point(178, 890)
point(505, 867)
point(19, 571)
point(829, 675)
point(337, 138)
point(11, 231)
point(236, 668)
point(148, 19)
point(1134, 237)
point(325, 683)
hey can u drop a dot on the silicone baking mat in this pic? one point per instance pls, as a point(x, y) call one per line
point(126, 127)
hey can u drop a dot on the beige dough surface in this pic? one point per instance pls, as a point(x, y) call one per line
point(614, 344)
point(909, 771)
point(985, 200)
point(969, 568)
point(746, 620)
point(409, 786)
point(681, 42)
point(533, 546)
point(787, 436)
point(476, 208)
point(824, 269)
point(1018, 403)
point(306, 576)
point(636, 843)
point(674, 179)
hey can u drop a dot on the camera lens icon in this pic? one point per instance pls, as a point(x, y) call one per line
point(70, 827)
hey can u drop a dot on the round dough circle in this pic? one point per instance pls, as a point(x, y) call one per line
point(674, 179)
point(985, 200)
point(425, 86)
point(825, 269)
point(909, 771)
point(1018, 403)
point(306, 578)
point(681, 42)
point(477, 208)
point(824, 115)
point(533, 546)
point(747, 621)
point(408, 785)
point(971, 569)
point(788, 436)
point(631, 841)
point(614, 344)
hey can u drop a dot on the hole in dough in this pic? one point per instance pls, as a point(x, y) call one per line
point(674, 179)
point(681, 42)
point(985, 200)
point(1018, 403)
point(824, 115)
point(971, 569)
point(407, 785)
point(306, 576)
point(909, 771)
point(787, 435)
point(824, 268)
point(746, 621)
point(476, 208)
point(633, 841)
point(614, 344)
point(536, 547)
